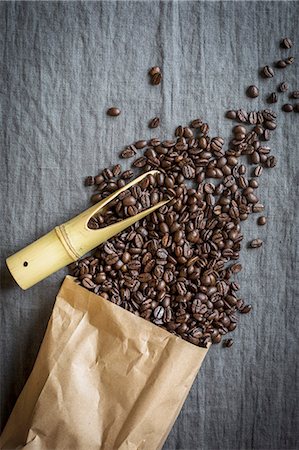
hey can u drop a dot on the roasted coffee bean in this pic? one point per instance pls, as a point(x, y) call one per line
point(140, 144)
point(281, 64)
point(272, 97)
point(262, 220)
point(268, 72)
point(128, 152)
point(154, 70)
point(156, 78)
point(296, 108)
point(290, 60)
point(283, 87)
point(294, 94)
point(228, 343)
point(242, 115)
point(154, 123)
point(286, 43)
point(271, 162)
point(113, 111)
point(89, 181)
point(231, 114)
point(258, 171)
point(252, 91)
point(256, 243)
point(196, 123)
point(287, 107)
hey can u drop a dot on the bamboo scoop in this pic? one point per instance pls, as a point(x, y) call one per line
point(69, 241)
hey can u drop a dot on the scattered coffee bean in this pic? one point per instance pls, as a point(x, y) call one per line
point(286, 43)
point(294, 94)
point(156, 79)
point(290, 60)
point(272, 97)
point(154, 70)
point(256, 243)
point(154, 123)
point(283, 87)
point(281, 64)
point(231, 114)
point(268, 72)
point(287, 107)
point(296, 108)
point(228, 343)
point(252, 91)
point(113, 111)
point(262, 220)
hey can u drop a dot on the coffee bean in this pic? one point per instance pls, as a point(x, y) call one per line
point(287, 107)
point(289, 60)
point(252, 91)
point(262, 220)
point(296, 107)
point(128, 152)
point(196, 123)
point(113, 111)
point(228, 343)
point(154, 123)
point(258, 171)
point(154, 70)
point(281, 64)
point(256, 243)
point(283, 87)
point(286, 43)
point(89, 181)
point(231, 114)
point(242, 115)
point(272, 97)
point(268, 72)
point(156, 78)
point(294, 94)
point(140, 144)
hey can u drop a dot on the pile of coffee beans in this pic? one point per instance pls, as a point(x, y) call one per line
point(177, 266)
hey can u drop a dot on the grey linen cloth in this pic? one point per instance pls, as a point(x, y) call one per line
point(62, 65)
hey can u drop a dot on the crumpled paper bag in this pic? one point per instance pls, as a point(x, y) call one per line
point(103, 379)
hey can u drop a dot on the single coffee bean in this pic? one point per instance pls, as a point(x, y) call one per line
point(272, 97)
point(283, 87)
point(262, 220)
point(113, 111)
point(228, 343)
point(246, 309)
point(140, 144)
point(295, 94)
point(231, 114)
point(287, 107)
point(290, 60)
point(154, 123)
point(89, 181)
point(258, 171)
point(196, 123)
point(156, 78)
point(296, 108)
point(252, 91)
point(128, 152)
point(281, 64)
point(256, 243)
point(154, 70)
point(286, 43)
point(268, 72)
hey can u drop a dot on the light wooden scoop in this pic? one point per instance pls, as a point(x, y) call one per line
point(69, 241)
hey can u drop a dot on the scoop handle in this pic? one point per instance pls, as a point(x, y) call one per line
point(38, 260)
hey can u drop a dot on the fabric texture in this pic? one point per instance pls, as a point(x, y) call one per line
point(62, 65)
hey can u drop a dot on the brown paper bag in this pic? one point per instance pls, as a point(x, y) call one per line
point(103, 379)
